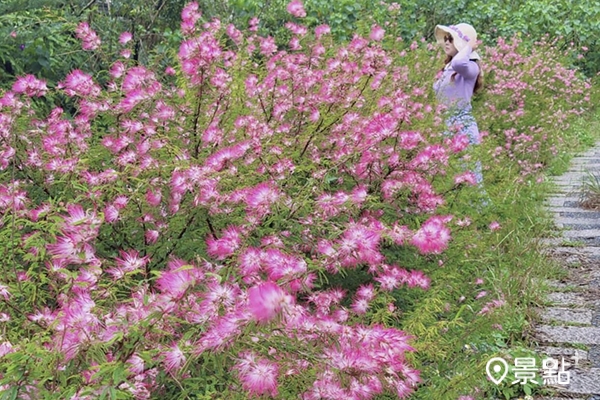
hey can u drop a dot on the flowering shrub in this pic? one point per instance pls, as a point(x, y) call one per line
point(536, 97)
point(174, 231)
point(172, 223)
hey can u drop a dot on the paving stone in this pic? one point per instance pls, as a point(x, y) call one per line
point(580, 214)
point(567, 352)
point(568, 316)
point(582, 224)
point(559, 398)
point(593, 357)
point(577, 223)
point(567, 299)
point(551, 242)
point(576, 227)
point(563, 201)
point(586, 233)
point(573, 203)
point(576, 178)
point(568, 334)
point(583, 382)
point(557, 284)
point(585, 165)
point(589, 251)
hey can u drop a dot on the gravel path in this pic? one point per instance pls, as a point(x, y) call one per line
point(569, 326)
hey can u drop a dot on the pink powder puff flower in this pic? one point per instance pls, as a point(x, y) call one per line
point(377, 33)
point(174, 358)
point(136, 364)
point(322, 30)
point(226, 245)
point(151, 236)
point(258, 375)
point(253, 24)
point(189, 16)
point(153, 197)
point(131, 261)
point(89, 39)
point(30, 85)
point(78, 83)
point(5, 348)
point(432, 237)
point(111, 213)
point(262, 195)
point(296, 8)
point(266, 300)
point(4, 292)
point(481, 294)
point(125, 37)
point(466, 177)
point(494, 226)
point(178, 278)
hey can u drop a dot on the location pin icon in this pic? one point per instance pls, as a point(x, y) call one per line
point(497, 369)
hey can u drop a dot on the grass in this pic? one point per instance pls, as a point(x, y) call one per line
point(590, 192)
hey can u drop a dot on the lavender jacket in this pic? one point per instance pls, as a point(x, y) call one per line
point(457, 95)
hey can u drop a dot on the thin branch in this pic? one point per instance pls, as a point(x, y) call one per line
point(88, 5)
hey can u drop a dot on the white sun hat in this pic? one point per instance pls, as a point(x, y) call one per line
point(462, 35)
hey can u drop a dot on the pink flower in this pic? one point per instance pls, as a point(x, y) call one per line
point(267, 300)
point(258, 376)
point(494, 226)
point(296, 8)
point(89, 39)
point(226, 245)
point(322, 30)
point(131, 261)
point(153, 197)
point(30, 85)
point(377, 33)
point(481, 294)
point(174, 358)
point(189, 16)
point(111, 213)
point(151, 236)
point(466, 177)
point(78, 83)
point(178, 278)
point(5, 348)
point(432, 237)
point(125, 37)
point(4, 292)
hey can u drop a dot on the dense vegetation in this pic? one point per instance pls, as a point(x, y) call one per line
point(38, 34)
point(195, 209)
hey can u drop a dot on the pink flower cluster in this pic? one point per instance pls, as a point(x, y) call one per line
point(296, 8)
point(89, 38)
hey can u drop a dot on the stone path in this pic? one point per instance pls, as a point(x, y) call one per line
point(569, 326)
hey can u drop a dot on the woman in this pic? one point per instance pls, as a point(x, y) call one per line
point(460, 78)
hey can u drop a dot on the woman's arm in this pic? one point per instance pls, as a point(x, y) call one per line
point(462, 64)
